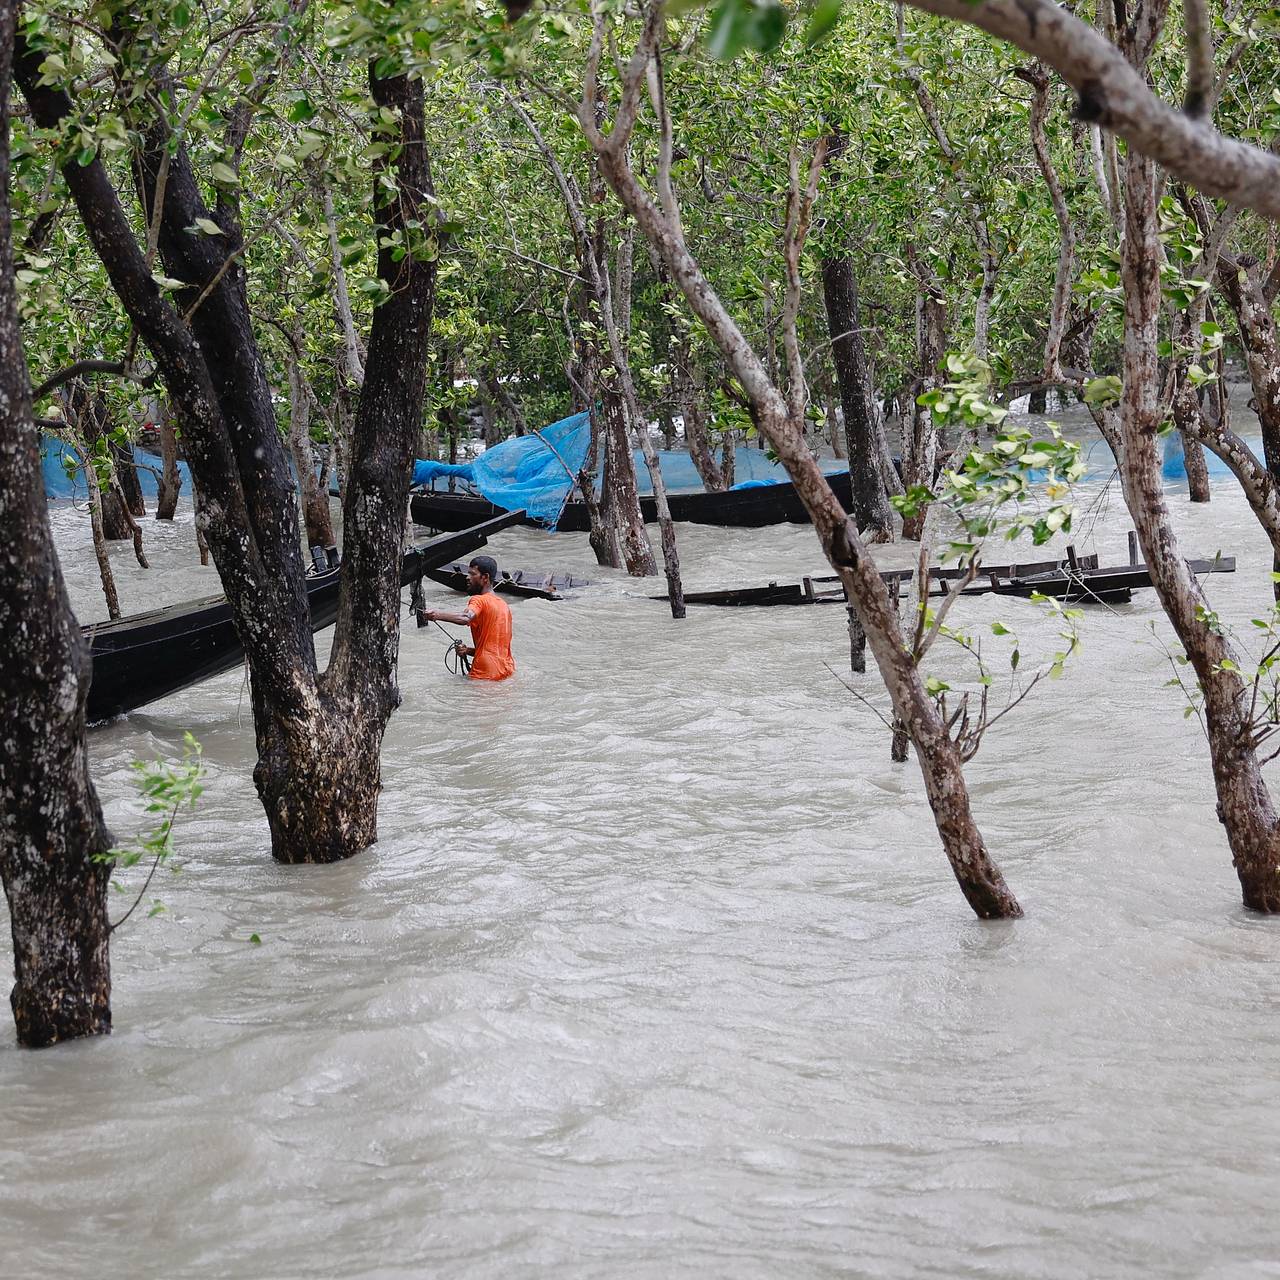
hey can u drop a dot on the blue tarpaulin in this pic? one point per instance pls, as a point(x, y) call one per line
point(537, 472)
point(1175, 458)
point(534, 471)
point(58, 484)
point(751, 468)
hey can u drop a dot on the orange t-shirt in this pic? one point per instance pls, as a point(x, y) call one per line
point(491, 635)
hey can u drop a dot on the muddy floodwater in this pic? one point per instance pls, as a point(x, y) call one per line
point(658, 968)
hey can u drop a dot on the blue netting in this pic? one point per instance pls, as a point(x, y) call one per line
point(535, 472)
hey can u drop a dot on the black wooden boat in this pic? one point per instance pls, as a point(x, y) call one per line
point(524, 584)
point(735, 508)
point(151, 655)
point(1083, 583)
point(827, 589)
point(1098, 586)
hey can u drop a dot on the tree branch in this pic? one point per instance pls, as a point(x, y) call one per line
point(80, 367)
point(1198, 99)
point(1116, 96)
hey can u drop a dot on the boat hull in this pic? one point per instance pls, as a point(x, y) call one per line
point(752, 508)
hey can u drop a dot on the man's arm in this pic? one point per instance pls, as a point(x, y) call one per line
point(439, 615)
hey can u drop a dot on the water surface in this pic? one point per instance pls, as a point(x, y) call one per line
point(658, 969)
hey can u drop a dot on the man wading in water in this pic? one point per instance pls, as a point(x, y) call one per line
point(489, 619)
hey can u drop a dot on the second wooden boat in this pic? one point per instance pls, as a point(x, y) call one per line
point(139, 659)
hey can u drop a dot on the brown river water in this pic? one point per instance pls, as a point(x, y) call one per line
point(658, 969)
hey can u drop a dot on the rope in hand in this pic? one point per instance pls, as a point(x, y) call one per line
point(456, 661)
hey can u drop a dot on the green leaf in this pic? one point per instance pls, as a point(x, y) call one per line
point(745, 24)
point(223, 174)
point(826, 13)
point(205, 226)
point(257, 941)
point(1103, 391)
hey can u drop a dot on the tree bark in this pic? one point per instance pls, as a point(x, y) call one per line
point(1244, 803)
point(1186, 417)
point(312, 496)
point(127, 479)
point(689, 392)
point(835, 431)
point(170, 485)
point(698, 441)
point(307, 727)
point(51, 824)
point(616, 310)
point(857, 399)
point(920, 441)
point(619, 507)
point(602, 535)
point(319, 767)
point(100, 552)
point(1037, 76)
point(622, 499)
point(979, 879)
point(1242, 286)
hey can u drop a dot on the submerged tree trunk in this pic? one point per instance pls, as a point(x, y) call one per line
point(319, 770)
point(857, 398)
point(980, 880)
point(170, 485)
point(1245, 807)
point(920, 435)
point(308, 726)
point(616, 310)
point(622, 498)
point(127, 479)
point(51, 824)
point(100, 552)
point(312, 496)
